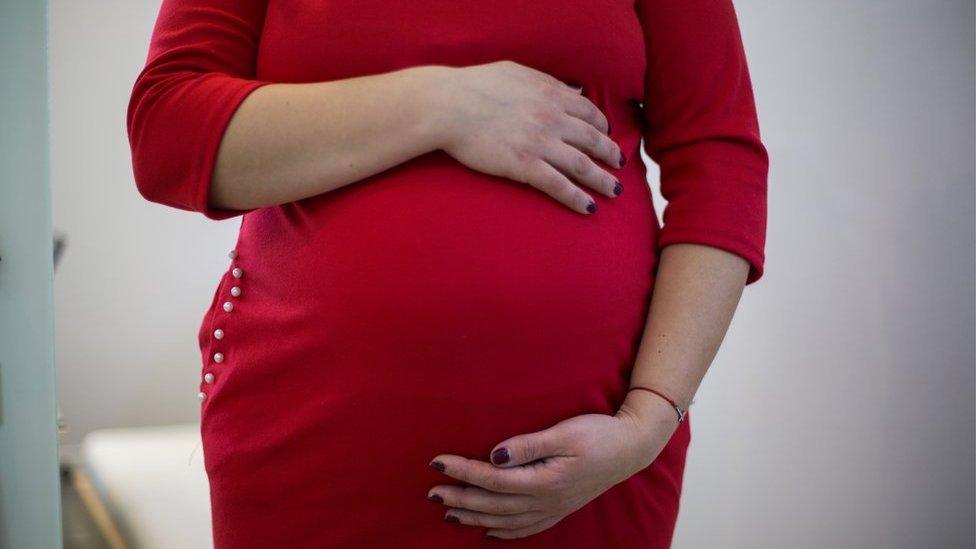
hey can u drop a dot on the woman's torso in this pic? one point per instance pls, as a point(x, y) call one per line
point(430, 308)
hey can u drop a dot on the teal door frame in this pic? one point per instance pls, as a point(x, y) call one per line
point(30, 501)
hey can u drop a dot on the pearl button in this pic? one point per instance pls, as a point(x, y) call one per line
point(201, 396)
point(209, 378)
point(237, 272)
point(232, 254)
point(228, 306)
point(218, 357)
point(235, 291)
point(218, 334)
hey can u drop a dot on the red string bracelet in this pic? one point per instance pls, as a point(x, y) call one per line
point(681, 413)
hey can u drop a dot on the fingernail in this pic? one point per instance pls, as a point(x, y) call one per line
point(617, 189)
point(435, 498)
point(500, 456)
point(608, 128)
point(438, 465)
point(591, 207)
point(492, 536)
point(623, 160)
point(451, 518)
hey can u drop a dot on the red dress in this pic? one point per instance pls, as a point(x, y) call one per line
point(431, 308)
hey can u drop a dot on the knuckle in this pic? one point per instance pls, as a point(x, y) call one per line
point(598, 114)
point(546, 120)
point(593, 138)
point(464, 472)
point(577, 198)
point(463, 498)
point(472, 519)
point(522, 157)
point(581, 165)
point(527, 520)
point(490, 481)
point(496, 507)
point(539, 181)
point(548, 92)
point(537, 136)
point(529, 450)
point(591, 111)
point(572, 435)
point(552, 184)
point(614, 151)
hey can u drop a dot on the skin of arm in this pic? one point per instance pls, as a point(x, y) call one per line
point(532, 481)
point(696, 292)
point(292, 141)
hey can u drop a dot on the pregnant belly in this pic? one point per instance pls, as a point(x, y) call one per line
point(433, 271)
point(428, 309)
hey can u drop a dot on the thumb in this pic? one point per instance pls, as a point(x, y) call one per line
point(526, 448)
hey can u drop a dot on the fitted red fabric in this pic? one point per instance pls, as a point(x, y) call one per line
point(430, 308)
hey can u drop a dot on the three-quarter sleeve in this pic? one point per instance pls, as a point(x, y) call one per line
point(200, 67)
point(700, 127)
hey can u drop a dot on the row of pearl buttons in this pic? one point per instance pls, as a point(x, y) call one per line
point(228, 306)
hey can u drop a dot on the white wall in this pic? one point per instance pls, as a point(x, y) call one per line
point(840, 412)
point(135, 277)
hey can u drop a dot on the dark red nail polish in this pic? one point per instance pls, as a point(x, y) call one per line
point(591, 207)
point(451, 518)
point(608, 128)
point(623, 160)
point(500, 456)
point(617, 189)
point(438, 465)
point(436, 498)
point(491, 536)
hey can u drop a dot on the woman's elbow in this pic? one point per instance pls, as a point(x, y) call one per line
point(162, 159)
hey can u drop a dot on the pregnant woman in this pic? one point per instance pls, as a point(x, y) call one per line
point(451, 318)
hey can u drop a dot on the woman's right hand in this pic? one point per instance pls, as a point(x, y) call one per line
point(509, 120)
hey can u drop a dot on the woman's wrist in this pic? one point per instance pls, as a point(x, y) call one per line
point(428, 87)
point(652, 421)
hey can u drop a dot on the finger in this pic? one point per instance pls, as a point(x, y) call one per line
point(472, 518)
point(519, 480)
point(474, 498)
point(593, 142)
point(546, 178)
point(574, 164)
point(584, 109)
point(530, 447)
point(525, 531)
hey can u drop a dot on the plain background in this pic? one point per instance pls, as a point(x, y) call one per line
point(840, 411)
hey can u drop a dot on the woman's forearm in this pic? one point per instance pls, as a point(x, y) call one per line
point(291, 141)
point(696, 292)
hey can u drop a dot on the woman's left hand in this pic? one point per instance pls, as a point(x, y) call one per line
point(535, 480)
